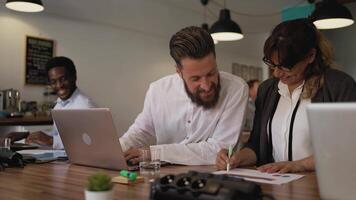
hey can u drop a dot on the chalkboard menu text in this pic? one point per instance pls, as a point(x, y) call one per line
point(38, 52)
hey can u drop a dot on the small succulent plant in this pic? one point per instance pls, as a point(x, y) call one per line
point(99, 182)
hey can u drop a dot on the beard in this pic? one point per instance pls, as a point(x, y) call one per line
point(195, 97)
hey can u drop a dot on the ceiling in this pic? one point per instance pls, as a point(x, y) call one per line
point(254, 16)
point(161, 18)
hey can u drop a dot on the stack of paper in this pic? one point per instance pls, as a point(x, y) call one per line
point(261, 177)
point(43, 154)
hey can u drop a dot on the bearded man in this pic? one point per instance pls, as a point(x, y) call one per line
point(193, 113)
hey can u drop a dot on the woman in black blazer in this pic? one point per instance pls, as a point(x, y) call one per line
point(300, 59)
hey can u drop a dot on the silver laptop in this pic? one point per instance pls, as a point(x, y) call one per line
point(333, 131)
point(90, 138)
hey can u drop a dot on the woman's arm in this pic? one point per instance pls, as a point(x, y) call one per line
point(303, 165)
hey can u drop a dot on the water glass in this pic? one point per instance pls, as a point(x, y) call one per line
point(150, 163)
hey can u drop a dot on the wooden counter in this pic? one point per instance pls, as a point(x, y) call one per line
point(26, 121)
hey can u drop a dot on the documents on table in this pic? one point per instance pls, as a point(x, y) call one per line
point(41, 153)
point(261, 177)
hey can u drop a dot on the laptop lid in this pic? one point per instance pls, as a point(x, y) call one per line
point(333, 132)
point(89, 137)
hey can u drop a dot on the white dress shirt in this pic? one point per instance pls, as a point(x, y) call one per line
point(184, 132)
point(281, 124)
point(76, 101)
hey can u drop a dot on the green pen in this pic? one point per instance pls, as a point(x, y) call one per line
point(229, 156)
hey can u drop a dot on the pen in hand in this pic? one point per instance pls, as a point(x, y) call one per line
point(229, 156)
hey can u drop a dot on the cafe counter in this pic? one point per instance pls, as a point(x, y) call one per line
point(26, 121)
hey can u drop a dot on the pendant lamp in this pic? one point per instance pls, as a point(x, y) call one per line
point(225, 29)
point(329, 14)
point(25, 5)
point(205, 25)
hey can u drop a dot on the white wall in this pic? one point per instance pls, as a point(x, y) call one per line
point(115, 65)
point(344, 44)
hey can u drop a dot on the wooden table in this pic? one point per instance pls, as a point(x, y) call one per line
point(61, 180)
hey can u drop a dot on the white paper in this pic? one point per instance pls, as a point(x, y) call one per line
point(42, 152)
point(261, 177)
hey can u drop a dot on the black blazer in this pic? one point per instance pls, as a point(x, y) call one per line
point(338, 87)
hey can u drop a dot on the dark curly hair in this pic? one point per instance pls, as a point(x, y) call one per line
point(62, 61)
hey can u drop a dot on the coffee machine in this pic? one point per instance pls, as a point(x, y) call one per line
point(11, 101)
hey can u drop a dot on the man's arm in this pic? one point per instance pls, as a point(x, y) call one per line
point(141, 132)
point(39, 137)
point(226, 133)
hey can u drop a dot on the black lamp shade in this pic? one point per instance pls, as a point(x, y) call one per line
point(25, 5)
point(225, 29)
point(330, 15)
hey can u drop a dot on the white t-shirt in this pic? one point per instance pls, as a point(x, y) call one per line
point(301, 143)
point(184, 132)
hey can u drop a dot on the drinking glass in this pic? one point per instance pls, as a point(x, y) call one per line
point(150, 163)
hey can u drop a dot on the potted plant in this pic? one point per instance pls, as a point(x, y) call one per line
point(99, 187)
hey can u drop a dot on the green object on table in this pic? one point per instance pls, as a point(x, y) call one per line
point(229, 154)
point(130, 175)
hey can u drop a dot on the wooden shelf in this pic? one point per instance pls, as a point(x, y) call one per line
point(26, 121)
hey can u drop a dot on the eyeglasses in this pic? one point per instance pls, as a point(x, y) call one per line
point(273, 66)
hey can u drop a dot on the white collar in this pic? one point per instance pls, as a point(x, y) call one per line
point(283, 89)
point(70, 99)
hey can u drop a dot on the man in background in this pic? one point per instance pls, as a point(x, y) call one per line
point(62, 77)
point(193, 113)
point(250, 111)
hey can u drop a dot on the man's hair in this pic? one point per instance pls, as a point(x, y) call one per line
point(191, 42)
point(252, 82)
point(62, 61)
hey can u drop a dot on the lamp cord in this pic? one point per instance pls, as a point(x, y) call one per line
point(205, 21)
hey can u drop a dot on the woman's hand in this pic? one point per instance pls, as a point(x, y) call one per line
point(282, 167)
point(222, 160)
point(244, 157)
point(306, 164)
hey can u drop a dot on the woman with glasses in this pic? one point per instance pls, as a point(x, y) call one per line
point(300, 59)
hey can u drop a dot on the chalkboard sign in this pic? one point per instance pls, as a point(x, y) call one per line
point(38, 52)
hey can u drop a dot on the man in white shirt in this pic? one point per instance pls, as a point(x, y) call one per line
point(62, 77)
point(191, 114)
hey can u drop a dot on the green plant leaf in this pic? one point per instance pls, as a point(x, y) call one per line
point(99, 182)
